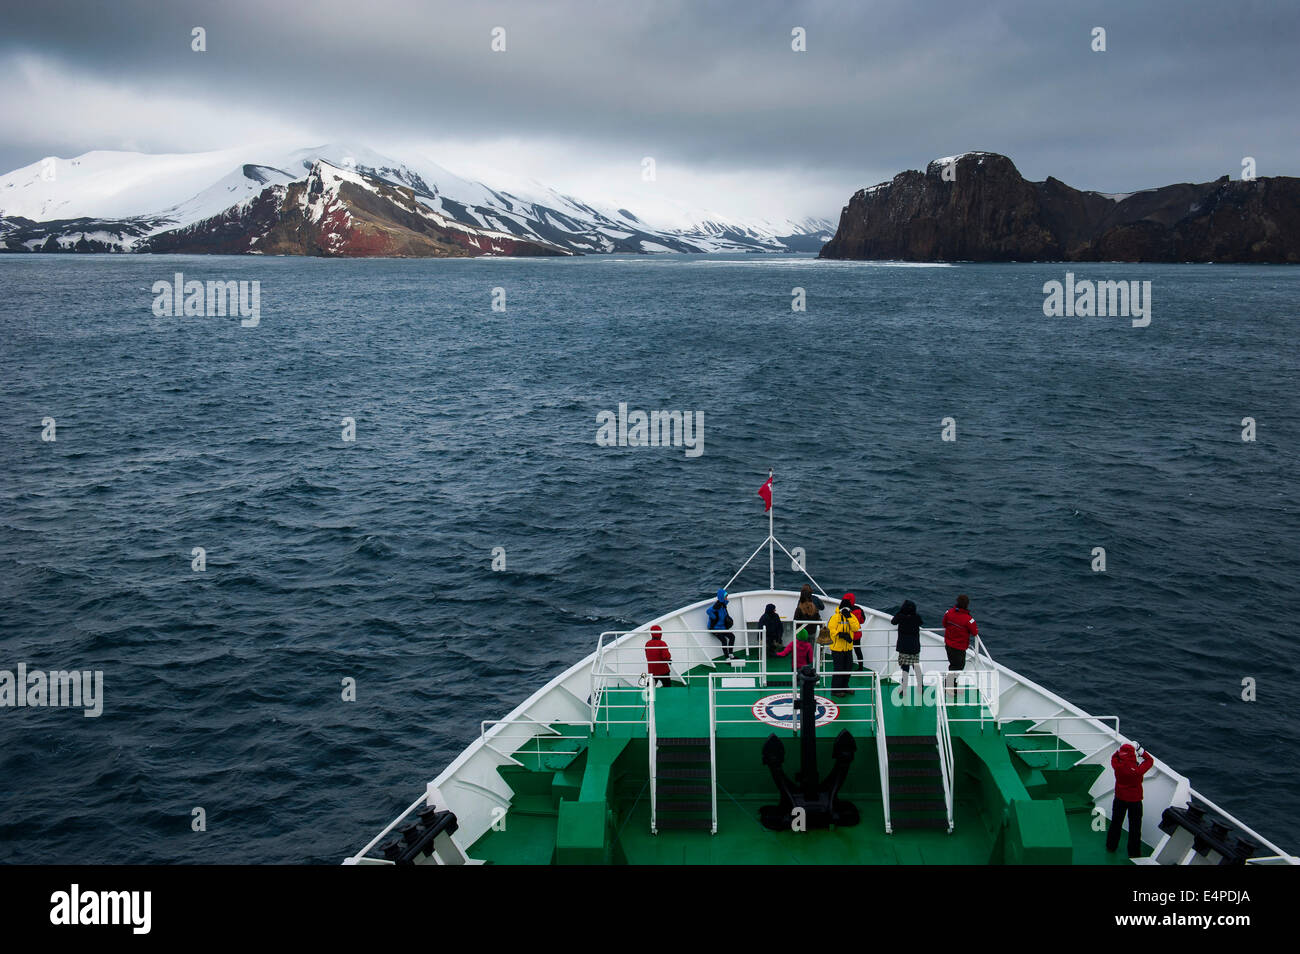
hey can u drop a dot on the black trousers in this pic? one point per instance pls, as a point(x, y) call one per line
point(727, 639)
point(843, 664)
point(1118, 809)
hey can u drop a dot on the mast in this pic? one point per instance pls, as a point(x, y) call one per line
point(771, 540)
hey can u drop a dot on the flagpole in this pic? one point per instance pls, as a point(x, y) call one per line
point(771, 556)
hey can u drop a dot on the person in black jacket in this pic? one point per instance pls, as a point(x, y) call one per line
point(774, 630)
point(909, 624)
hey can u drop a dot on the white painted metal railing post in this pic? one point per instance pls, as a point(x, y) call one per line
point(882, 758)
point(943, 739)
point(652, 734)
point(595, 687)
point(713, 758)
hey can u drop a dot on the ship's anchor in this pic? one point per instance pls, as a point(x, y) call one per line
point(810, 804)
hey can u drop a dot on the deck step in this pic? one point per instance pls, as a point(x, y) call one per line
point(906, 822)
point(532, 805)
point(910, 740)
point(699, 788)
point(684, 807)
point(920, 806)
point(1021, 743)
point(912, 772)
point(913, 799)
point(1047, 761)
point(1076, 802)
point(686, 823)
point(931, 756)
point(684, 773)
point(677, 755)
point(911, 789)
point(677, 742)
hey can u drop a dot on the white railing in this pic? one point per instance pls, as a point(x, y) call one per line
point(600, 704)
point(791, 647)
point(882, 758)
point(713, 761)
point(943, 740)
point(970, 687)
point(740, 646)
point(1281, 857)
point(814, 627)
point(965, 687)
point(871, 689)
point(877, 643)
point(625, 666)
point(652, 735)
point(628, 661)
point(542, 730)
point(684, 659)
point(361, 855)
point(823, 664)
point(872, 717)
point(1034, 732)
point(1273, 860)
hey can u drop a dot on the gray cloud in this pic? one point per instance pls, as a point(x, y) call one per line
point(1184, 91)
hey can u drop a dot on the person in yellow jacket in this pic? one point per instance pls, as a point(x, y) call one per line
point(843, 626)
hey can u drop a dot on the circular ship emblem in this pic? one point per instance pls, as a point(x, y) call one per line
point(779, 711)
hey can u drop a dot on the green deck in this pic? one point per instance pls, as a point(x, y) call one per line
point(1012, 805)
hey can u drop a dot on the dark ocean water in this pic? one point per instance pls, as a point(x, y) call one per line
point(476, 429)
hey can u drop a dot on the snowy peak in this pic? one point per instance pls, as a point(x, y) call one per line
point(234, 189)
point(111, 184)
point(337, 212)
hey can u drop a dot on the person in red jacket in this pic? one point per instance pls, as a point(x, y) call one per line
point(958, 630)
point(803, 648)
point(657, 656)
point(1128, 798)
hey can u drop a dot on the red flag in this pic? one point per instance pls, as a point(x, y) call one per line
point(766, 493)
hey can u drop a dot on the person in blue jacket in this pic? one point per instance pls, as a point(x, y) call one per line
point(720, 623)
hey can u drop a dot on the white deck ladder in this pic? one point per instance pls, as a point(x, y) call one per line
point(652, 734)
point(943, 739)
point(882, 756)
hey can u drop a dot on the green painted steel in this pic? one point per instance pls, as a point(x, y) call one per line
point(1012, 803)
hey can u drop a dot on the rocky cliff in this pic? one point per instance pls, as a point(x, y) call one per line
point(977, 207)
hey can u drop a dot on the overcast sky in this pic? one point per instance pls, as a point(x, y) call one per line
point(735, 119)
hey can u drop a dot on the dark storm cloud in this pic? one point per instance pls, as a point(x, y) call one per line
point(1183, 92)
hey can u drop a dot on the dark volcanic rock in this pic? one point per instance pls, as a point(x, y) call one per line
point(18, 234)
point(987, 212)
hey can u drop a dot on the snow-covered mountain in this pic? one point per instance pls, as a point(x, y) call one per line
point(119, 201)
point(338, 213)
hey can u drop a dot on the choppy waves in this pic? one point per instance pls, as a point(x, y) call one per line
point(371, 560)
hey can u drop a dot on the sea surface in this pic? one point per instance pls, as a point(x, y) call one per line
point(371, 560)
